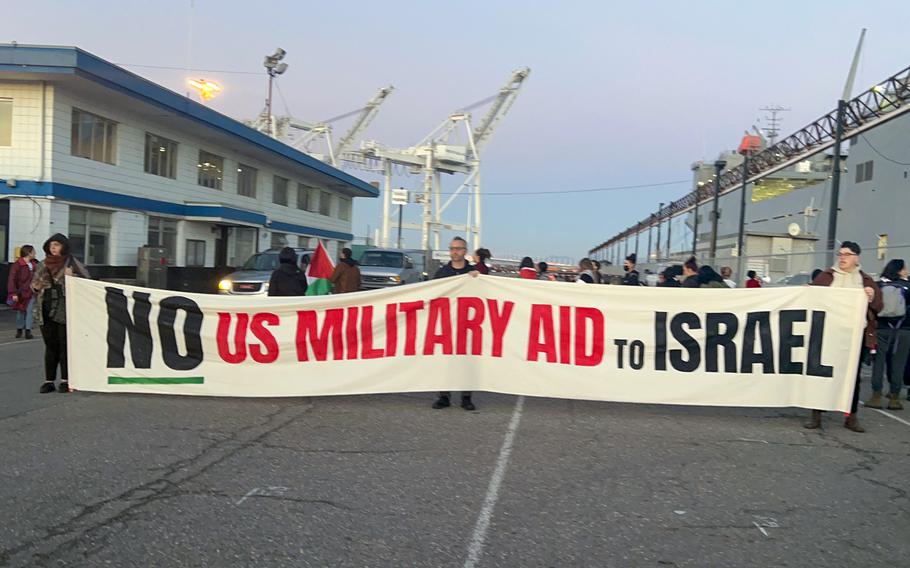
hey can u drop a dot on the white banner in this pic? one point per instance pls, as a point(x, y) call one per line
point(743, 347)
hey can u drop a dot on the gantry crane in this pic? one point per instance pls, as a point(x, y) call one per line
point(454, 147)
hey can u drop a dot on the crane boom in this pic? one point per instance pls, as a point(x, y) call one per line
point(500, 107)
point(366, 116)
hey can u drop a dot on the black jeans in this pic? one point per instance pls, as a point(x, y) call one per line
point(862, 356)
point(54, 335)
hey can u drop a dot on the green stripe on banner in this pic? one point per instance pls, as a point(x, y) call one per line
point(155, 380)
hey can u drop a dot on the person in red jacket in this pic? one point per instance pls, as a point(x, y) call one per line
point(753, 281)
point(19, 289)
point(847, 274)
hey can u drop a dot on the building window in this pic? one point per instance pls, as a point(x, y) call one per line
point(863, 172)
point(325, 203)
point(280, 191)
point(245, 244)
point(344, 209)
point(279, 240)
point(6, 122)
point(211, 170)
point(93, 137)
point(90, 235)
point(307, 198)
point(246, 180)
point(163, 233)
point(160, 156)
point(195, 253)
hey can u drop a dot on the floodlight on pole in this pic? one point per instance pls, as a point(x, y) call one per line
point(273, 67)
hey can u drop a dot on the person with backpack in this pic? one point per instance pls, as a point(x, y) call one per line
point(892, 335)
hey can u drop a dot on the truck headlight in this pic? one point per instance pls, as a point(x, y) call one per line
point(224, 285)
point(394, 278)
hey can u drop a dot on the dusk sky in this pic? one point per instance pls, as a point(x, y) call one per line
point(622, 94)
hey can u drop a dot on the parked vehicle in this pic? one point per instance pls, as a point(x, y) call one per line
point(798, 279)
point(253, 277)
point(382, 268)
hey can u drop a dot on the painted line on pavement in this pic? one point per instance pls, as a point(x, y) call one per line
point(489, 502)
point(889, 415)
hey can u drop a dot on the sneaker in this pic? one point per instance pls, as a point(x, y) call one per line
point(442, 402)
point(467, 404)
point(18, 333)
point(64, 386)
point(47, 387)
point(28, 334)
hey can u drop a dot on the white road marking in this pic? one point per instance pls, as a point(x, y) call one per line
point(489, 502)
point(249, 494)
point(889, 415)
point(763, 531)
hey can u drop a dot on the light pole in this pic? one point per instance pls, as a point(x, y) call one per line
point(274, 68)
point(660, 211)
point(746, 147)
point(719, 165)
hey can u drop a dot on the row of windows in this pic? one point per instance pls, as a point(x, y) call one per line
point(90, 236)
point(95, 137)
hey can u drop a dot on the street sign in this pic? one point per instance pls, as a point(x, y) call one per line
point(399, 197)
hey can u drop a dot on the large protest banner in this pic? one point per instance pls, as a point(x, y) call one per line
point(742, 347)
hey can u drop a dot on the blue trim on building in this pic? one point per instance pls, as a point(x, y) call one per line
point(46, 59)
point(119, 201)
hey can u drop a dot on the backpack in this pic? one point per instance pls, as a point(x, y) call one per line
point(894, 301)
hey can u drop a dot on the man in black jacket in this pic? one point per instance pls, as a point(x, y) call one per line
point(690, 273)
point(631, 276)
point(458, 248)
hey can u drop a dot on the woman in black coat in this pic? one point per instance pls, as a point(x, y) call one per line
point(288, 279)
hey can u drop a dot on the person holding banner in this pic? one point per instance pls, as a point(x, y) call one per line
point(847, 274)
point(458, 265)
point(50, 312)
point(690, 274)
point(631, 277)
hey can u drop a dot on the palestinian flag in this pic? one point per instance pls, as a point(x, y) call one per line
point(318, 274)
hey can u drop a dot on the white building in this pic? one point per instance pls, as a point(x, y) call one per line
point(116, 162)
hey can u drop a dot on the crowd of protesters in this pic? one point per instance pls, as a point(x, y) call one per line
point(37, 294)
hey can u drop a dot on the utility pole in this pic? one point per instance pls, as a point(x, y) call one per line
point(747, 146)
point(838, 138)
point(660, 211)
point(719, 165)
point(650, 231)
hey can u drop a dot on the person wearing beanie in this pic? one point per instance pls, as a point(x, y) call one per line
point(630, 278)
point(50, 311)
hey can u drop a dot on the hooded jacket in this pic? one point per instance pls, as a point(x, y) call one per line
point(287, 280)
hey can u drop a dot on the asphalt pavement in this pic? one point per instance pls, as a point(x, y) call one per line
point(140, 480)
